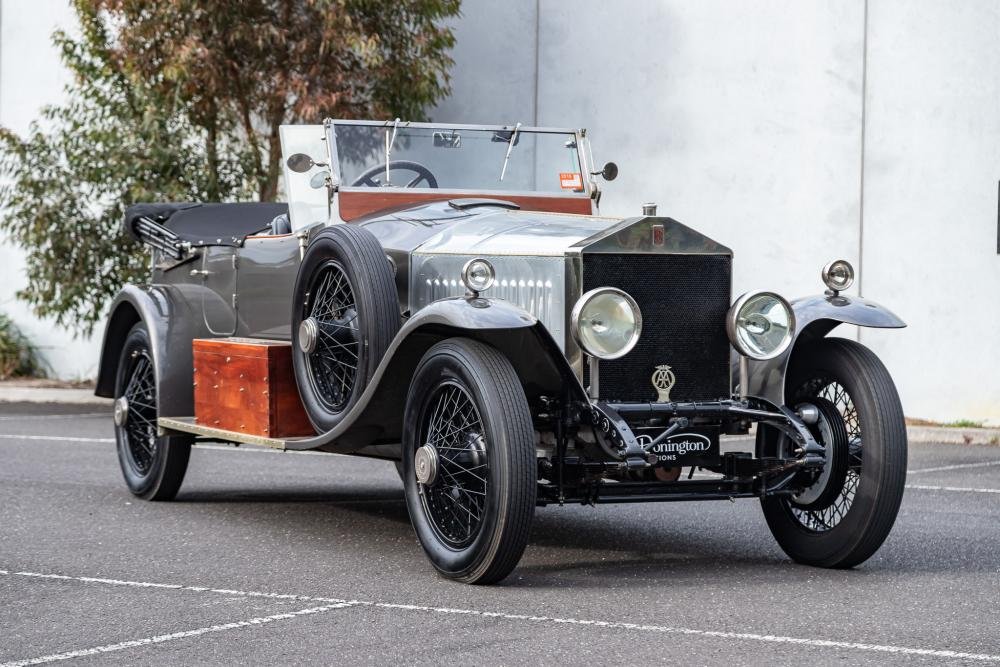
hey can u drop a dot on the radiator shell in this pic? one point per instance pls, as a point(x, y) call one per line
point(683, 299)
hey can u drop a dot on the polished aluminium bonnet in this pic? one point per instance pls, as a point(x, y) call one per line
point(528, 251)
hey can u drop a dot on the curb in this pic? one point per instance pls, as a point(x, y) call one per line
point(954, 436)
point(18, 394)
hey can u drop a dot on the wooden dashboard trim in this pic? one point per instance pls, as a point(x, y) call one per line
point(355, 204)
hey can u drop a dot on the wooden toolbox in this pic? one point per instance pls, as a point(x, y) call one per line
point(248, 386)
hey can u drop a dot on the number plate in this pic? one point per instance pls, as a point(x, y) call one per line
point(690, 447)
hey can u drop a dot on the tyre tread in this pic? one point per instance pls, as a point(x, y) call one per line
point(175, 450)
point(886, 425)
point(377, 298)
point(510, 412)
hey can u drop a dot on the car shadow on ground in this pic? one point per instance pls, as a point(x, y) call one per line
point(293, 495)
point(562, 548)
point(596, 546)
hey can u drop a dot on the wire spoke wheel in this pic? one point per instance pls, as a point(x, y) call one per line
point(140, 429)
point(469, 469)
point(333, 363)
point(456, 500)
point(153, 464)
point(820, 520)
point(345, 315)
point(845, 511)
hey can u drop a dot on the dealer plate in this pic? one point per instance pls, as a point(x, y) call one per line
point(690, 447)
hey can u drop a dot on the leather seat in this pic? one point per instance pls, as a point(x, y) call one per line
point(281, 225)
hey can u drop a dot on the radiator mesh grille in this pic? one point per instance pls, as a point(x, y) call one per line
point(683, 299)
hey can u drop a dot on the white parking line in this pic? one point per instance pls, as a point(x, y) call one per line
point(961, 489)
point(61, 438)
point(5, 418)
point(613, 625)
point(159, 639)
point(957, 466)
point(177, 587)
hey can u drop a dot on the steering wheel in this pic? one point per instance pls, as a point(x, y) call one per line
point(370, 177)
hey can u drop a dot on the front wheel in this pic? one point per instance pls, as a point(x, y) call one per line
point(469, 461)
point(845, 515)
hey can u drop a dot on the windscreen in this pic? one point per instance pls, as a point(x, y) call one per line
point(459, 159)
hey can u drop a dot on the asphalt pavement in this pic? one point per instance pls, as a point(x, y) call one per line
point(270, 557)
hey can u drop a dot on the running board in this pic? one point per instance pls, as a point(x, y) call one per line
point(188, 425)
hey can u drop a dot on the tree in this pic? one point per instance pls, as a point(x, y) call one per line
point(181, 100)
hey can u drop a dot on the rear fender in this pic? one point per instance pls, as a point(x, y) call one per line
point(815, 317)
point(171, 324)
point(378, 415)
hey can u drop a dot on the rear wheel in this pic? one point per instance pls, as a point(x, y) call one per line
point(846, 514)
point(345, 315)
point(153, 465)
point(469, 461)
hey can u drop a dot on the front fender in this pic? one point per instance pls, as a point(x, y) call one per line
point(171, 324)
point(815, 317)
point(377, 416)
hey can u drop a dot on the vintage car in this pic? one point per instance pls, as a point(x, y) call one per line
point(447, 297)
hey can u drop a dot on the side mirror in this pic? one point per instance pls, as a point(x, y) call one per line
point(300, 163)
point(610, 171)
point(318, 179)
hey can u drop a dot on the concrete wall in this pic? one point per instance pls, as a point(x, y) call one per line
point(932, 162)
point(793, 131)
point(30, 77)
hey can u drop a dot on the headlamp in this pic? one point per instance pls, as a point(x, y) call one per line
point(606, 323)
point(760, 325)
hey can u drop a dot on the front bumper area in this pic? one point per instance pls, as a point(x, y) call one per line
point(643, 439)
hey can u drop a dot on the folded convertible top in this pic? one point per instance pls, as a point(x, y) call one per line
point(206, 224)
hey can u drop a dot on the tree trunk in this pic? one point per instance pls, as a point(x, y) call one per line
point(269, 191)
point(212, 154)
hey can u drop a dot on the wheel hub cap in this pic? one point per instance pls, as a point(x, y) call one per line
point(425, 463)
point(308, 334)
point(121, 411)
point(821, 488)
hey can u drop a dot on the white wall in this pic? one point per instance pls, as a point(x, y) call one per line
point(745, 121)
point(932, 163)
point(30, 77)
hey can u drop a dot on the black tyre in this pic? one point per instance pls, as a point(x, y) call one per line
point(153, 465)
point(468, 437)
point(846, 522)
point(345, 314)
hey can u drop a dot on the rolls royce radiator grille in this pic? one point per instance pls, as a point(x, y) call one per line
point(683, 299)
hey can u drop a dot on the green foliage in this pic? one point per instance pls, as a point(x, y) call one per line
point(181, 100)
point(18, 357)
point(964, 423)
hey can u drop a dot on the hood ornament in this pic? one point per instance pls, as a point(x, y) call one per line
point(663, 380)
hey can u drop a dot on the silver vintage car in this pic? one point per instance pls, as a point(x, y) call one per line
point(453, 302)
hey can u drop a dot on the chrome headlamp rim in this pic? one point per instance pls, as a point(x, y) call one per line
point(829, 282)
point(733, 315)
point(468, 282)
point(574, 321)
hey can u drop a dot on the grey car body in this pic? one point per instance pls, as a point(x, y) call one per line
point(247, 294)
